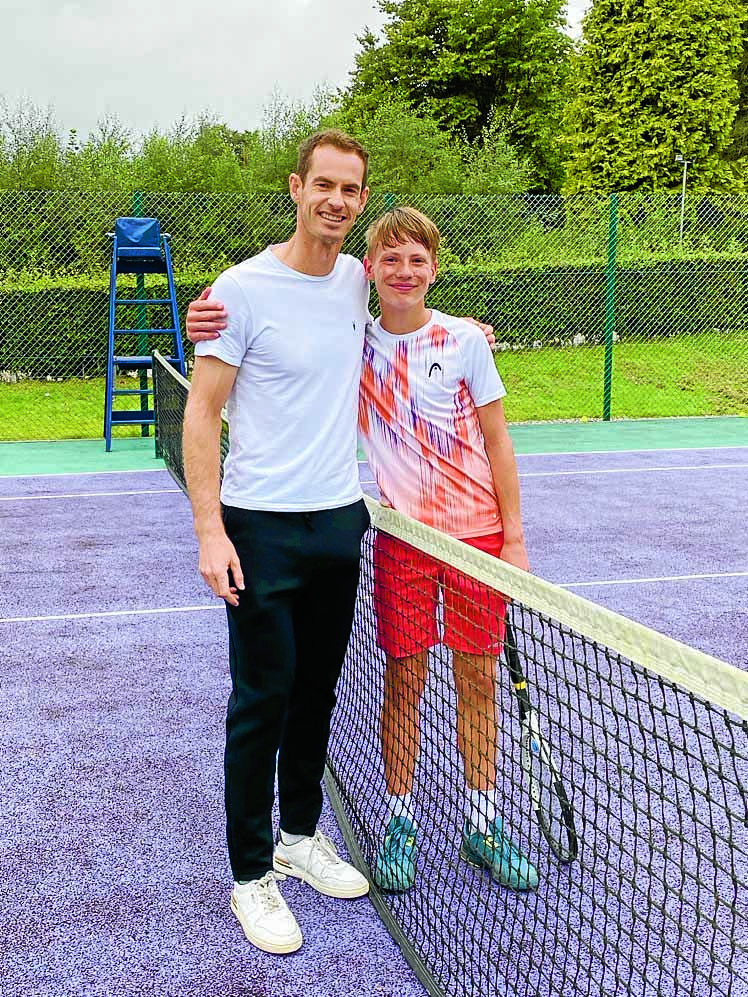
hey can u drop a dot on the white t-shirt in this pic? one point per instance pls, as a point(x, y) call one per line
point(297, 341)
point(419, 425)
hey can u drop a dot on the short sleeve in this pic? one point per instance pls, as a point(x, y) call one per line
point(481, 375)
point(236, 337)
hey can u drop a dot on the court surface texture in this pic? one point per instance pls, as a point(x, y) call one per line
point(114, 680)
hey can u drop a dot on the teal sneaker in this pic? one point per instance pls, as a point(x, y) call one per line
point(499, 855)
point(395, 868)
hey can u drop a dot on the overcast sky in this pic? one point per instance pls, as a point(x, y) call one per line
point(150, 62)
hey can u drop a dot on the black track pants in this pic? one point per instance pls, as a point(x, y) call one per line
point(287, 641)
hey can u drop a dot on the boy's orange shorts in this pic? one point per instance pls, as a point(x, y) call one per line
point(406, 596)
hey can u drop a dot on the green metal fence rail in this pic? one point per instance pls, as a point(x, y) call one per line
point(600, 309)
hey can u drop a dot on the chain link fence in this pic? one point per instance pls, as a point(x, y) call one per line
point(627, 306)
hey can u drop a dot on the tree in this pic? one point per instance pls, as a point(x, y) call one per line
point(193, 156)
point(31, 156)
point(463, 61)
point(408, 153)
point(738, 148)
point(653, 80)
point(492, 165)
point(103, 161)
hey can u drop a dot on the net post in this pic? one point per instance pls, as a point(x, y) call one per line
point(610, 304)
point(158, 451)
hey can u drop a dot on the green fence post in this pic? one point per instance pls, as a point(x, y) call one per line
point(610, 305)
point(142, 316)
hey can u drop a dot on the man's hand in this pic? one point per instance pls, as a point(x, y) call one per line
point(205, 319)
point(218, 557)
point(514, 552)
point(487, 330)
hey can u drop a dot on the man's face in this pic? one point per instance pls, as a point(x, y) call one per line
point(331, 197)
point(402, 274)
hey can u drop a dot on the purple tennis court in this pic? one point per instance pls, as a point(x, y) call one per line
point(113, 691)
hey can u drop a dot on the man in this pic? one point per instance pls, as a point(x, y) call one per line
point(281, 543)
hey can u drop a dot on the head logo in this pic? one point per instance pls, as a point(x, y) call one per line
point(433, 367)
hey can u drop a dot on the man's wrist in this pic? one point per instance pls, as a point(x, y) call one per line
point(209, 528)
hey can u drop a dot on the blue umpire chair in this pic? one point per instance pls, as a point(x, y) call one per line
point(138, 248)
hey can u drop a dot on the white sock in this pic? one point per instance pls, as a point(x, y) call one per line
point(400, 806)
point(291, 839)
point(480, 808)
point(247, 882)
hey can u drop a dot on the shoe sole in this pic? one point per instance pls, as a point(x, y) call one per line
point(478, 863)
point(280, 865)
point(392, 889)
point(265, 946)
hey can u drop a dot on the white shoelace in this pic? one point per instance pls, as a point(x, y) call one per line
point(329, 853)
point(268, 893)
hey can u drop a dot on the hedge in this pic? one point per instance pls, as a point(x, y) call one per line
point(58, 328)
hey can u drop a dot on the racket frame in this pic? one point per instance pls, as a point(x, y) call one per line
point(533, 743)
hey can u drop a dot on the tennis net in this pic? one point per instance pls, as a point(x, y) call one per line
point(616, 758)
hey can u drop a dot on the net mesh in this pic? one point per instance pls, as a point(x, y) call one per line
point(616, 760)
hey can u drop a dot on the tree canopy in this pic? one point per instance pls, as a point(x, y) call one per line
point(460, 96)
point(651, 81)
point(738, 148)
point(467, 63)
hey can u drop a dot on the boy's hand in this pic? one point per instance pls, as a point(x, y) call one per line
point(514, 552)
point(205, 319)
point(487, 330)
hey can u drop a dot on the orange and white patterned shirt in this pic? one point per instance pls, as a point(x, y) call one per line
point(418, 423)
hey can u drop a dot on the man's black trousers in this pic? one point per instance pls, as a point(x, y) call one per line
point(287, 642)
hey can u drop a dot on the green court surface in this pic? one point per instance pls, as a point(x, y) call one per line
point(77, 457)
point(630, 434)
point(89, 456)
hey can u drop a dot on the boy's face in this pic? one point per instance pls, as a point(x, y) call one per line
point(332, 196)
point(402, 274)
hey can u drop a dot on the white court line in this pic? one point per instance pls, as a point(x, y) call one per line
point(35, 498)
point(658, 578)
point(112, 612)
point(628, 470)
point(613, 453)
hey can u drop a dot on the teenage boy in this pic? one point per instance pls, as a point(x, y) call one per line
point(281, 544)
point(432, 424)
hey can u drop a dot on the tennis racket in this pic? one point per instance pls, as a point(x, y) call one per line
point(549, 799)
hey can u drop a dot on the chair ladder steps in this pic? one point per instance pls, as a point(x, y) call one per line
point(141, 238)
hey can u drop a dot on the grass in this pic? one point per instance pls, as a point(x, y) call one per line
point(705, 374)
point(60, 410)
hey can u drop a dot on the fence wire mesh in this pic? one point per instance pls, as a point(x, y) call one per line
point(603, 307)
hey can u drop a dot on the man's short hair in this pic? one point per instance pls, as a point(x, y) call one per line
point(402, 224)
point(338, 140)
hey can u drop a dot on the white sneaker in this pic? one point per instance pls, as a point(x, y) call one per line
point(316, 861)
point(262, 912)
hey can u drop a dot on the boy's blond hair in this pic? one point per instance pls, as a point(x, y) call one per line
point(399, 225)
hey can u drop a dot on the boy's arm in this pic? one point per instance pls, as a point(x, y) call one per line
point(205, 319)
point(212, 381)
point(500, 452)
